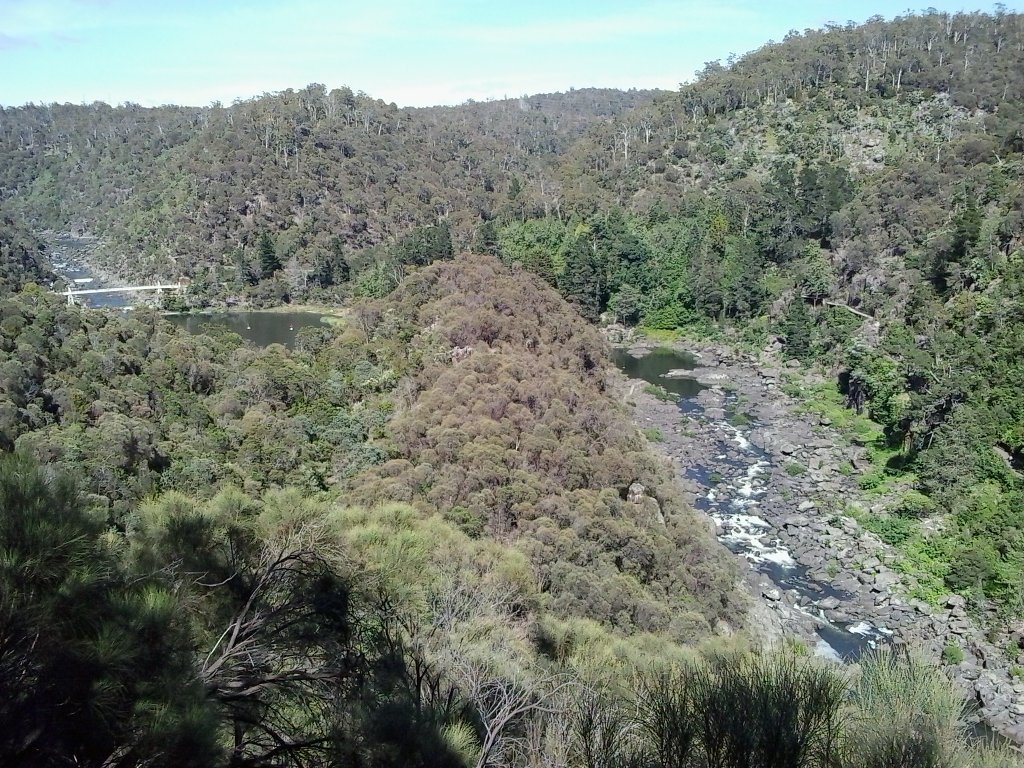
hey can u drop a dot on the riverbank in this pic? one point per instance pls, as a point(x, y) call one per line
point(780, 484)
point(326, 311)
point(331, 314)
point(71, 257)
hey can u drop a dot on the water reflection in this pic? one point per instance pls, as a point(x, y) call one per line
point(261, 328)
point(652, 368)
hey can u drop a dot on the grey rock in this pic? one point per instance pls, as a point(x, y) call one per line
point(636, 493)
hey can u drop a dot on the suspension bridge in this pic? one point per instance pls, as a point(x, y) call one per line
point(72, 293)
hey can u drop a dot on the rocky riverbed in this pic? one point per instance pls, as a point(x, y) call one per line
point(777, 484)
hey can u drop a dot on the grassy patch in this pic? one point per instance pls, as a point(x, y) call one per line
point(653, 434)
point(825, 400)
point(793, 469)
point(896, 531)
point(660, 392)
point(738, 418)
point(662, 336)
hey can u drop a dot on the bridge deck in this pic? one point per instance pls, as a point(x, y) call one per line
point(125, 289)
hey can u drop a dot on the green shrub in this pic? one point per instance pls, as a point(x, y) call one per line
point(896, 531)
point(654, 435)
point(753, 710)
point(871, 481)
point(952, 654)
point(740, 418)
point(794, 468)
point(905, 713)
point(915, 504)
point(469, 522)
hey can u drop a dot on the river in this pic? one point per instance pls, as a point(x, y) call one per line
point(69, 257)
point(261, 328)
point(732, 478)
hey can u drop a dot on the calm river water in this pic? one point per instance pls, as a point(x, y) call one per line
point(261, 328)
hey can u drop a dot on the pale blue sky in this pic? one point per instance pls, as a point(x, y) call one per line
point(406, 51)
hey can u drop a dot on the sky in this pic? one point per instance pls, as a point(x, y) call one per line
point(411, 52)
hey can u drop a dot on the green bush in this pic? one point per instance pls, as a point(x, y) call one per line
point(794, 469)
point(896, 531)
point(952, 654)
point(906, 714)
point(871, 480)
point(653, 434)
point(915, 504)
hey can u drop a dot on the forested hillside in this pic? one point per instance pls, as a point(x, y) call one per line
point(299, 497)
point(429, 534)
point(182, 191)
point(856, 171)
point(427, 537)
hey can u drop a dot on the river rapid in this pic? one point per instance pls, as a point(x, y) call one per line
point(776, 484)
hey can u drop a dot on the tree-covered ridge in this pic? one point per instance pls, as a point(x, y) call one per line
point(22, 256)
point(218, 599)
point(969, 55)
point(472, 392)
point(510, 432)
point(188, 191)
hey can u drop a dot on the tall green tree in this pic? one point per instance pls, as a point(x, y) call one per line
point(95, 666)
point(585, 281)
point(332, 267)
point(426, 245)
point(267, 254)
point(798, 327)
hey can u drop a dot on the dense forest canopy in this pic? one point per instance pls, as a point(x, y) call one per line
point(429, 535)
